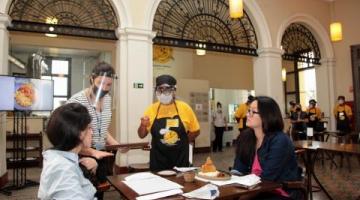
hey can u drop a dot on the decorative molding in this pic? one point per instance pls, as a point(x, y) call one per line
point(61, 30)
point(270, 52)
point(5, 21)
point(3, 180)
point(135, 34)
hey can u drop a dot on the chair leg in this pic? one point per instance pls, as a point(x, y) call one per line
point(349, 162)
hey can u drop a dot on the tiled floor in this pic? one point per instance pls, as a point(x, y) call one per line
point(339, 181)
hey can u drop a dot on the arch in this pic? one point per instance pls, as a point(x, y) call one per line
point(120, 8)
point(259, 22)
point(316, 29)
point(253, 10)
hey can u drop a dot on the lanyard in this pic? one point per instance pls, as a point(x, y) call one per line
point(98, 121)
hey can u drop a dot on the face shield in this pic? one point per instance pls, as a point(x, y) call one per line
point(103, 84)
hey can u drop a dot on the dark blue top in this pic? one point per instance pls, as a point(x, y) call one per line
point(277, 159)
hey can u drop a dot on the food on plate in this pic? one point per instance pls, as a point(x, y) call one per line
point(25, 95)
point(209, 169)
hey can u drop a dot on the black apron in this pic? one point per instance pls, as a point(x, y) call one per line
point(313, 120)
point(342, 122)
point(168, 149)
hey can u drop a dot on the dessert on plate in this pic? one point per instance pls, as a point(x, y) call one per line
point(208, 169)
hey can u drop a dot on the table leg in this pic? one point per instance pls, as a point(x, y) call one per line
point(316, 179)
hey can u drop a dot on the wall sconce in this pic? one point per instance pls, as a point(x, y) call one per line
point(236, 8)
point(336, 31)
point(283, 74)
point(335, 27)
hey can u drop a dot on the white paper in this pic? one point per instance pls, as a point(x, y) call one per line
point(246, 181)
point(310, 132)
point(160, 195)
point(185, 169)
point(146, 183)
point(140, 176)
point(205, 192)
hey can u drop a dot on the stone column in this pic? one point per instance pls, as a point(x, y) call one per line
point(4, 52)
point(267, 75)
point(325, 88)
point(135, 88)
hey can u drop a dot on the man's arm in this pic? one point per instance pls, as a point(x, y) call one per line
point(193, 135)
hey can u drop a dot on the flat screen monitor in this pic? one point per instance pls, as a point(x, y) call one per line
point(7, 87)
point(33, 94)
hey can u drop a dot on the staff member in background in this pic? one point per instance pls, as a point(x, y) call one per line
point(343, 115)
point(313, 114)
point(220, 124)
point(298, 121)
point(292, 107)
point(69, 131)
point(172, 124)
point(240, 114)
point(97, 101)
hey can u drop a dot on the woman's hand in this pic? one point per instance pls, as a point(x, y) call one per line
point(89, 163)
point(101, 154)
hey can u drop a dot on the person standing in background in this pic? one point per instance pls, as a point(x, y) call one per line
point(220, 124)
point(343, 115)
point(313, 114)
point(240, 114)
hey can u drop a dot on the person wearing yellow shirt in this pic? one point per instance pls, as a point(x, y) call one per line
point(343, 115)
point(314, 114)
point(172, 124)
point(240, 114)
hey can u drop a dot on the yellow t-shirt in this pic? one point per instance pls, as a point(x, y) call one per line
point(342, 108)
point(241, 113)
point(315, 110)
point(186, 114)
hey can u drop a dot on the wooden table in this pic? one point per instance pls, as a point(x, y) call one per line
point(226, 192)
point(311, 155)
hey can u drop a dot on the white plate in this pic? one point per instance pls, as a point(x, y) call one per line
point(166, 173)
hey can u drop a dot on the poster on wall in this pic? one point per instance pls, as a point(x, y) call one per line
point(33, 94)
point(7, 95)
point(199, 102)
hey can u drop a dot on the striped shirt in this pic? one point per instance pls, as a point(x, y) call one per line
point(100, 120)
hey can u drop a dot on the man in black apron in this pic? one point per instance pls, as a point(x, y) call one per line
point(343, 115)
point(172, 124)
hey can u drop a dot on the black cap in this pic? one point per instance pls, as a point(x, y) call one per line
point(165, 79)
point(341, 97)
point(312, 101)
point(250, 98)
point(292, 102)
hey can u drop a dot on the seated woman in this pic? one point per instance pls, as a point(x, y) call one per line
point(265, 150)
point(68, 130)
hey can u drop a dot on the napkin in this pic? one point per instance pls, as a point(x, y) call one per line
point(208, 191)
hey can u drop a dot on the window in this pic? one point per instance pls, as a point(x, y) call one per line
point(300, 83)
point(59, 72)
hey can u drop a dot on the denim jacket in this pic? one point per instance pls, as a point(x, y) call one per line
point(277, 159)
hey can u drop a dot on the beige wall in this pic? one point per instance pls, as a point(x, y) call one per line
point(227, 71)
point(347, 12)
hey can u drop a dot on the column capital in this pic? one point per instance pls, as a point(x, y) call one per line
point(328, 61)
point(5, 20)
point(135, 34)
point(270, 52)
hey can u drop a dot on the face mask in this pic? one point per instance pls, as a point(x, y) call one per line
point(102, 92)
point(341, 101)
point(165, 99)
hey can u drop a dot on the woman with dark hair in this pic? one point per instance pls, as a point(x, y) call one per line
point(220, 124)
point(69, 131)
point(265, 150)
point(97, 101)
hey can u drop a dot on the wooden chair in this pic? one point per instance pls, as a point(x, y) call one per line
point(297, 185)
